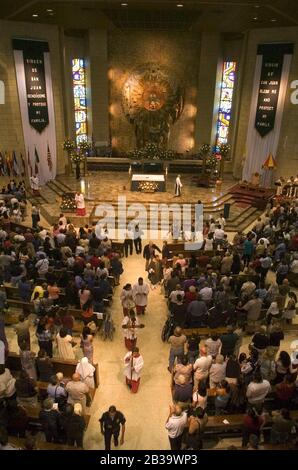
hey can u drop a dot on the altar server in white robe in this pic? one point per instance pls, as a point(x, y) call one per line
point(140, 293)
point(130, 325)
point(80, 202)
point(178, 186)
point(133, 364)
point(34, 184)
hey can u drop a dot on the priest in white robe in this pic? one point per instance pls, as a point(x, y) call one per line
point(34, 184)
point(133, 364)
point(178, 186)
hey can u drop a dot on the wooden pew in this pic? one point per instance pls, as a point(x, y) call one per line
point(67, 367)
point(204, 331)
point(43, 386)
point(41, 445)
point(33, 415)
point(216, 425)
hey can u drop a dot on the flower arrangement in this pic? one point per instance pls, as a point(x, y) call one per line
point(211, 162)
point(76, 158)
point(69, 145)
point(84, 146)
point(68, 203)
point(224, 150)
point(152, 152)
point(205, 149)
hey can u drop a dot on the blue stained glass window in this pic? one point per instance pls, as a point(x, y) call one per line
point(225, 103)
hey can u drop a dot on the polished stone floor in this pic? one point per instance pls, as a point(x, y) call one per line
point(108, 185)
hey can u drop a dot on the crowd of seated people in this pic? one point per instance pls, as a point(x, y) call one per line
point(52, 272)
point(227, 284)
point(224, 284)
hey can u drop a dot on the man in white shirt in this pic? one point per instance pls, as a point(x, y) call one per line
point(140, 293)
point(202, 366)
point(42, 266)
point(257, 390)
point(266, 242)
point(174, 293)
point(221, 221)
point(219, 234)
point(175, 425)
point(206, 293)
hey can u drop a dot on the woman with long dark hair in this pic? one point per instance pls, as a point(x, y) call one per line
point(283, 367)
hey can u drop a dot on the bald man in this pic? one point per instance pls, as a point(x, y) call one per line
point(77, 391)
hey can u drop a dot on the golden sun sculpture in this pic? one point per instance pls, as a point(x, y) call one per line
point(152, 100)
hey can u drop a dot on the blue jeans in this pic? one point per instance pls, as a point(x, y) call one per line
point(175, 353)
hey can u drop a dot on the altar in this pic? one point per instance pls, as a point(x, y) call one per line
point(148, 183)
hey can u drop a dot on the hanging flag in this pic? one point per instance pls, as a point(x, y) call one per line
point(4, 165)
point(49, 158)
point(23, 170)
point(1, 165)
point(15, 165)
point(7, 160)
point(36, 162)
point(29, 164)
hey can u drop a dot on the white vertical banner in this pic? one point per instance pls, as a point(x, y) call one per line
point(259, 147)
point(37, 107)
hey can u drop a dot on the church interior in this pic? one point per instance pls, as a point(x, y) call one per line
point(148, 225)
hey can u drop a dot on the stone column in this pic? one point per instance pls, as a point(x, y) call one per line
point(208, 88)
point(99, 87)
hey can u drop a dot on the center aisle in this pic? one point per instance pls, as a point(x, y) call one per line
point(146, 411)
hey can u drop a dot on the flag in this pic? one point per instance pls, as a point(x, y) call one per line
point(49, 158)
point(4, 166)
point(36, 161)
point(7, 160)
point(1, 165)
point(23, 170)
point(29, 164)
point(15, 166)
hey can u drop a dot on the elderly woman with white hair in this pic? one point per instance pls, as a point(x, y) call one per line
point(217, 371)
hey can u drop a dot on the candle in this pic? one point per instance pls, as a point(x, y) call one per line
point(83, 187)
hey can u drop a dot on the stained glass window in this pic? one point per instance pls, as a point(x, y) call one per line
point(80, 102)
point(225, 104)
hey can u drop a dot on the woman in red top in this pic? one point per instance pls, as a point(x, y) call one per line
point(191, 294)
point(284, 391)
point(87, 312)
point(252, 424)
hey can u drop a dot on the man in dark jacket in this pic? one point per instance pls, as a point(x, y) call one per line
point(49, 419)
point(110, 423)
point(229, 340)
point(178, 311)
point(149, 252)
point(74, 426)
